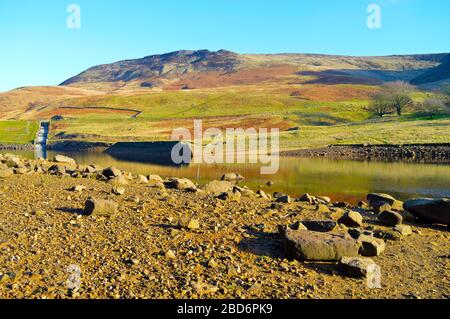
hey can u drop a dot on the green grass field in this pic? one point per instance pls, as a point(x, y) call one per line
point(18, 132)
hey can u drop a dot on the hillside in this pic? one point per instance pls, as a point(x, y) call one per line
point(207, 69)
point(439, 73)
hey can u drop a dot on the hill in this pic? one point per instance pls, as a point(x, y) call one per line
point(207, 69)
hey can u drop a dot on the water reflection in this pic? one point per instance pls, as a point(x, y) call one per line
point(342, 180)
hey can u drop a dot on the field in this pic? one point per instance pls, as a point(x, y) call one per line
point(18, 132)
point(308, 115)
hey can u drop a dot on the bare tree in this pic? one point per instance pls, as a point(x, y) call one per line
point(381, 105)
point(398, 93)
point(432, 107)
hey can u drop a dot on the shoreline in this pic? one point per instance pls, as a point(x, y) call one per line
point(149, 237)
point(413, 153)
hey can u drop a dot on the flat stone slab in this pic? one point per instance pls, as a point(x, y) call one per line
point(310, 245)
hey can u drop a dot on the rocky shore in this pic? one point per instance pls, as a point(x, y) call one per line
point(76, 231)
point(422, 153)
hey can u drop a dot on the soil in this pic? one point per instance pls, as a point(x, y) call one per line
point(45, 239)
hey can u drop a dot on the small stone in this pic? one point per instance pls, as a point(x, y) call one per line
point(231, 196)
point(232, 177)
point(5, 173)
point(118, 181)
point(379, 207)
point(270, 183)
point(111, 172)
point(188, 223)
point(180, 184)
point(390, 218)
point(262, 194)
point(284, 199)
point(119, 190)
point(370, 246)
point(100, 207)
point(79, 188)
point(170, 254)
point(351, 219)
point(306, 198)
point(142, 179)
point(64, 159)
point(357, 267)
point(319, 225)
point(404, 230)
point(212, 263)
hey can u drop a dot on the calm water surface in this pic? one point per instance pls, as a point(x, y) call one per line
point(341, 180)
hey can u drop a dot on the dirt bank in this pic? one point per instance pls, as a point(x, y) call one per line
point(423, 153)
point(141, 252)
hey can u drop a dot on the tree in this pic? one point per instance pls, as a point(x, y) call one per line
point(431, 107)
point(398, 93)
point(381, 105)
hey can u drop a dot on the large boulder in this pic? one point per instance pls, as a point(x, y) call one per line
point(379, 197)
point(64, 159)
point(218, 187)
point(433, 210)
point(309, 245)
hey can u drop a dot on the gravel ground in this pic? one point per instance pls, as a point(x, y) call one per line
point(49, 249)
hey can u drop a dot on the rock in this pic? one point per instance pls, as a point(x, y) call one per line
point(100, 207)
point(351, 219)
point(141, 179)
point(231, 196)
point(370, 246)
point(170, 254)
point(341, 204)
point(270, 183)
point(111, 172)
point(155, 178)
point(390, 218)
point(363, 205)
point(218, 187)
point(320, 225)
point(20, 171)
point(245, 191)
point(232, 177)
point(309, 245)
point(306, 198)
point(356, 233)
point(284, 199)
point(262, 194)
point(212, 263)
point(379, 207)
point(321, 208)
point(6, 172)
point(324, 199)
point(180, 184)
point(188, 222)
point(57, 170)
point(277, 195)
point(432, 210)
point(13, 162)
point(119, 190)
point(156, 184)
point(358, 267)
point(403, 230)
point(407, 216)
point(296, 226)
point(78, 188)
point(386, 235)
point(64, 159)
point(379, 197)
point(118, 181)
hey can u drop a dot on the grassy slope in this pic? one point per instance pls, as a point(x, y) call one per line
point(324, 116)
point(18, 132)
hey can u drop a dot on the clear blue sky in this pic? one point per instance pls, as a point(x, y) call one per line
point(38, 48)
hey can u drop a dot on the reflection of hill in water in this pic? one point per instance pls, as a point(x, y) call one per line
point(158, 153)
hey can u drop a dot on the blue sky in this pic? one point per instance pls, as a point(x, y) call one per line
point(39, 49)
